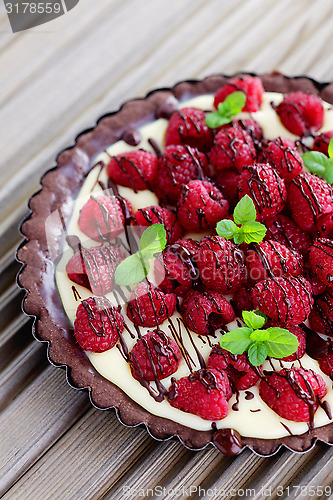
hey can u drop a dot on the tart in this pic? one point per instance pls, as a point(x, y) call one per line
point(151, 348)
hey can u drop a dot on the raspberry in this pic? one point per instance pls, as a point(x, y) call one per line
point(321, 316)
point(270, 258)
point(309, 197)
point(282, 155)
point(293, 394)
point(188, 126)
point(205, 311)
point(97, 325)
point(154, 356)
point(201, 206)
point(317, 286)
point(301, 113)
point(266, 188)
point(284, 299)
point(177, 270)
point(283, 230)
point(145, 217)
point(243, 299)
point(301, 337)
point(324, 226)
point(232, 147)
point(178, 165)
point(94, 267)
point(134, 169)
point(101, 218)
point(203, 393)
point(326, 364)
point(250, 85)
point(322, 141)
point(149, 306)
point(221, 264)
point(252, 128)
point(321, 260)
point(240, 372)
point(227, 180)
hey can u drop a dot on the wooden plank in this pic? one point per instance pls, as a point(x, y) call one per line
point(35, 420)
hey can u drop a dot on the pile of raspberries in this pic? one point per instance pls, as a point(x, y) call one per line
point(199, 178)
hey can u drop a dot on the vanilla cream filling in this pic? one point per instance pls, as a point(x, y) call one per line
point(254, 418)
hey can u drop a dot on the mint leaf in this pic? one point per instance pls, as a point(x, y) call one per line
point(329, 173)
point(254, 232)
point(330, 149)
point(231, 106)
point(316, 162)
point(254, 320)
point(215, 120)
point(281, 342)
point(257, 353)
point(153, 240)
point(226, 228)
point(236, 341)
point(239, 236)
point(259, 335)
point(245, 211)
point(131, 270)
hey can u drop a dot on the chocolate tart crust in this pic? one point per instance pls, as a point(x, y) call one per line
point(59, 186)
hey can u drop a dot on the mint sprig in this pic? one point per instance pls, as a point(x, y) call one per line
point(320, 164)
point(135, 268)
point(244, 227)
point(231, 106)
point(258, 342)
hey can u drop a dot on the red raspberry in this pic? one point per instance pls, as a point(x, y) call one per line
point(243, 299)
point(177, 270)
point(188, 126)
point(324, 226)
point(250, 85)
point(154, 356)
point(145, 217)
point(293, 394)
point(284, 299)
point(252, 128)
point(232, 147)
point(135, 169)
point(282, 229)
point(321, 316)
point(309, 197)
point(326, 364)
point(317, 286)
point(201, 206)
point(101, 218)
point(221, 264)
point(205, 311)
point(178, 165)
point(94, 267)
point(270, 258)
point(301, 113)
point(149, 306)
point(301, 337)
point(237, 366)
point(322, 141)
point(282, 155)
point(227, 180)
point(266, 188)
point(203, 393)
point(321, 260)
point(97, 325)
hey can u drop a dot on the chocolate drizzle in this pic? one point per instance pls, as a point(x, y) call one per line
point(227, 441)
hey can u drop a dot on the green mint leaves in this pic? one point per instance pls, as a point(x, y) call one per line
point(135, 268)
point(245, 227)
point(274, 342)
point(231, 106)
point(319, 164)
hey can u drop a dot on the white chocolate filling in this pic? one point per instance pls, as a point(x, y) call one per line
point(254, 418)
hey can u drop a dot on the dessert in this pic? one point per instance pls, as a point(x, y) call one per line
point(151, 321)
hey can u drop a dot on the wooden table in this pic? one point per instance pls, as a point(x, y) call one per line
point(56, 80)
